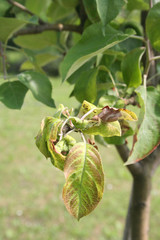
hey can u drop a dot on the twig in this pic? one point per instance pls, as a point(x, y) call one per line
point(20, 6)
point(49, 27)
point(3, 61)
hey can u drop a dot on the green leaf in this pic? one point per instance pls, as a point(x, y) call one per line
point(37, 41)
point(91, 10)
point(12, 94)
point(8, 26)
point(137, 4)
point(57, 11)
point(148, 136)
point(38, 7)
point(40, 59)
point(39, 85)
point(68, 3)
point(152, 26)
point(85, 87)
point(89, 46)
point(84, 180)
point(131, 68)
point(108, 9)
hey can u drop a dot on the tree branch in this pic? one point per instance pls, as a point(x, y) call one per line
point(20, 6)
point(134, 169)
point(49, 27)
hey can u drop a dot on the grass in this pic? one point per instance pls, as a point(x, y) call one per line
point(31, 206)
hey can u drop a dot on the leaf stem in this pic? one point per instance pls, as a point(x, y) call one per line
point(86, 114)
point(104, 68)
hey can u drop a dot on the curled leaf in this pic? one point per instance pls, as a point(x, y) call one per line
point(84, 180)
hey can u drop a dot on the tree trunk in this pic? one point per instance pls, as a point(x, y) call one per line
point(137, 220)
point(140, 207)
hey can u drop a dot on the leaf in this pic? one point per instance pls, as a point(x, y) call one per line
point(119, 140)
point(37, 41)
point(38, 7)
point(47, 139)
point(152, 26)
point(85, 87)
point(39, 85)
point(57, 11)
point(89, 46)
point(131, 68)
point(148, 136)
point(40, 60)
point(8, 26)
point(91, 10)
point(84, 180)
point(108, 9)
point(137, 4)
point(12, 94)
point(86, 107)
point(108, 129)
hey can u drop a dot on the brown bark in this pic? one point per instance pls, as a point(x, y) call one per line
point(137, 220)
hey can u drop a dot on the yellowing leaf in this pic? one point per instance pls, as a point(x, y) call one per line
point(127, 115)
point(84, 180)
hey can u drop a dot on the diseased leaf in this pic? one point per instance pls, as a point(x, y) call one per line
point(86, 107)
point(12, 94)
point(108, 129)
point(148, 135)
point(131, 68)
point(47, 139)
point(119, 140)
point(85, 87)
point(8, 26)
point(108, 9)
point(84, 180)
point(152, 26)
point(89, 46)
point(39, 85)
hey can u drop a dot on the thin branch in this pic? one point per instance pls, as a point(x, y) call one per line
point(154, 58)
point(3, 61)
point(20, 6)
point(49, 27)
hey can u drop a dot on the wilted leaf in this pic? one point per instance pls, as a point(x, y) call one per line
point(84, 180)
point(148, 136)
point(39, 85)
point(12, 94)
point(89, 46)
point(131, 68)
point(152, 26)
